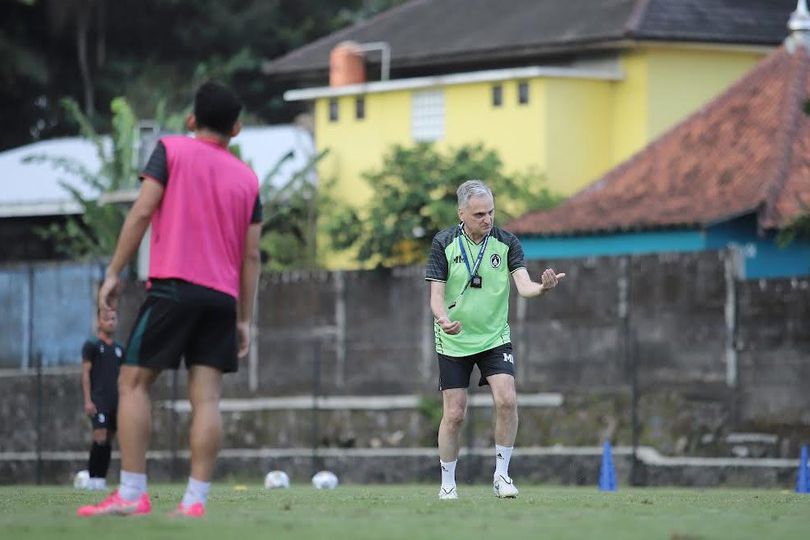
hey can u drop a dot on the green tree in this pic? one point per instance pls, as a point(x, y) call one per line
point(290, 218)
point(94, 232)
point(290, 213)
point(798, 229)
point(414, 197)
point(95, 50)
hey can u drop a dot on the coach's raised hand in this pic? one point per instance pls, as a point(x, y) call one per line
point(549, 279)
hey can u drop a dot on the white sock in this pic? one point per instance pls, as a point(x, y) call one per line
point(448, 472)
point(196, 492)
point(502, 456)
point(98, 483)
point(133, 485)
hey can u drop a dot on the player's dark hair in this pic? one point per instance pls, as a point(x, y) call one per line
point(216, 107)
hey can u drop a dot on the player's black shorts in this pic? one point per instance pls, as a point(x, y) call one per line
point(180, 318)
point(454, 371)
point(105, 419)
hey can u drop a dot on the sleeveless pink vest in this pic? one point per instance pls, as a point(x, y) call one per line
point(198, 231)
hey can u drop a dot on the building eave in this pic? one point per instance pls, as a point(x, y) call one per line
point(706, 46)
point(608, 70)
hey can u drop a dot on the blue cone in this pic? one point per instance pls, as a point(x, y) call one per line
point(607, 474)
point(803, 477)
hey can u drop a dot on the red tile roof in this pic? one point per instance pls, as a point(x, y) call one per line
point(748, 150)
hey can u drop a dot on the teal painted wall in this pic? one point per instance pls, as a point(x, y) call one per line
point(635, 243)
point(762, 257)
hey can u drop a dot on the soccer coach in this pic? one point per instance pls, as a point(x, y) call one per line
point(468, 269)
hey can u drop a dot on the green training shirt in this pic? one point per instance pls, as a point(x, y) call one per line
point(482, 311)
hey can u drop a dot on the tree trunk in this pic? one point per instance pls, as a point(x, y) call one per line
point(101, 34)
point(82, 29)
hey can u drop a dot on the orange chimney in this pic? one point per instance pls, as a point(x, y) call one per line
point(346, 64)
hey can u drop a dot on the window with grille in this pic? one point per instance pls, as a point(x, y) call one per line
point(427, 115)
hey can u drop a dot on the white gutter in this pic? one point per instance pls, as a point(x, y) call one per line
point(50, 208)
point(608, 70)
point(62, 207)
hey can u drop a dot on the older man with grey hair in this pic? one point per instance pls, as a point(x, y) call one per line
point(468, 270)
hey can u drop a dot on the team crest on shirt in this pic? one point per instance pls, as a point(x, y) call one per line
point(495, 260)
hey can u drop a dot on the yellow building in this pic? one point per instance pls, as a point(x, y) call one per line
point(568, 90)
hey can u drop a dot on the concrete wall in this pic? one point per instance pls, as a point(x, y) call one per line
point(713, 356)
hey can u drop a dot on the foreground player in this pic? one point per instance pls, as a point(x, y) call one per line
point(203, 205)
point(468, 269)
point(101, 359)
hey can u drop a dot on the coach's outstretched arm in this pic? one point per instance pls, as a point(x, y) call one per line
point(248, 279)
point(528, 288)
point(138, 218)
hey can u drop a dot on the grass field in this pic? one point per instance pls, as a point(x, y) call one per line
point(413, 512)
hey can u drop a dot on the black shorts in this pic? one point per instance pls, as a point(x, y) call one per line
point(105, 419)
point(181, 319)
point(454, 371)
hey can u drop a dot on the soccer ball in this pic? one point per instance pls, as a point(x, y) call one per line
point(276, 480)
point(81, 480)
point(325, 480)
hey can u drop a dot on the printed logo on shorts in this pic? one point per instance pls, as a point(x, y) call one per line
point(118, 352)
point(101, 418)
point(508, 358)
point(495, 260)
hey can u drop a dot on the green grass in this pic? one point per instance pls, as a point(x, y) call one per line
point(414, 512)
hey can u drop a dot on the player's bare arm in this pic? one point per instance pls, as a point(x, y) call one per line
point(89, 406)
point(439, 311)
point(528, 288)
point(135, 225)
point(251, 266)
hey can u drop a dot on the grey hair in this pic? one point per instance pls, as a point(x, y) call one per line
point(470, 189)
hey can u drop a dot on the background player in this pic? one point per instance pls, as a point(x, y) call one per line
point(101, 359)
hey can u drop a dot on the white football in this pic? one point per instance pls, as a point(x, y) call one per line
point(276, 480)
point(81, 480)
point(325, 480)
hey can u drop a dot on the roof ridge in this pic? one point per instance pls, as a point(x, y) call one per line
point(792, 123)
point(634, 21)
point(343, 31)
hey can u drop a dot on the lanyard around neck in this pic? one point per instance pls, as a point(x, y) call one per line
point(474, 270)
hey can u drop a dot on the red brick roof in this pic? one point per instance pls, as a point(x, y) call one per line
point(748, 150)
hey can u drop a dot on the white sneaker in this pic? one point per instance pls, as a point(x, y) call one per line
point(504, 487)
point(447, 493)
